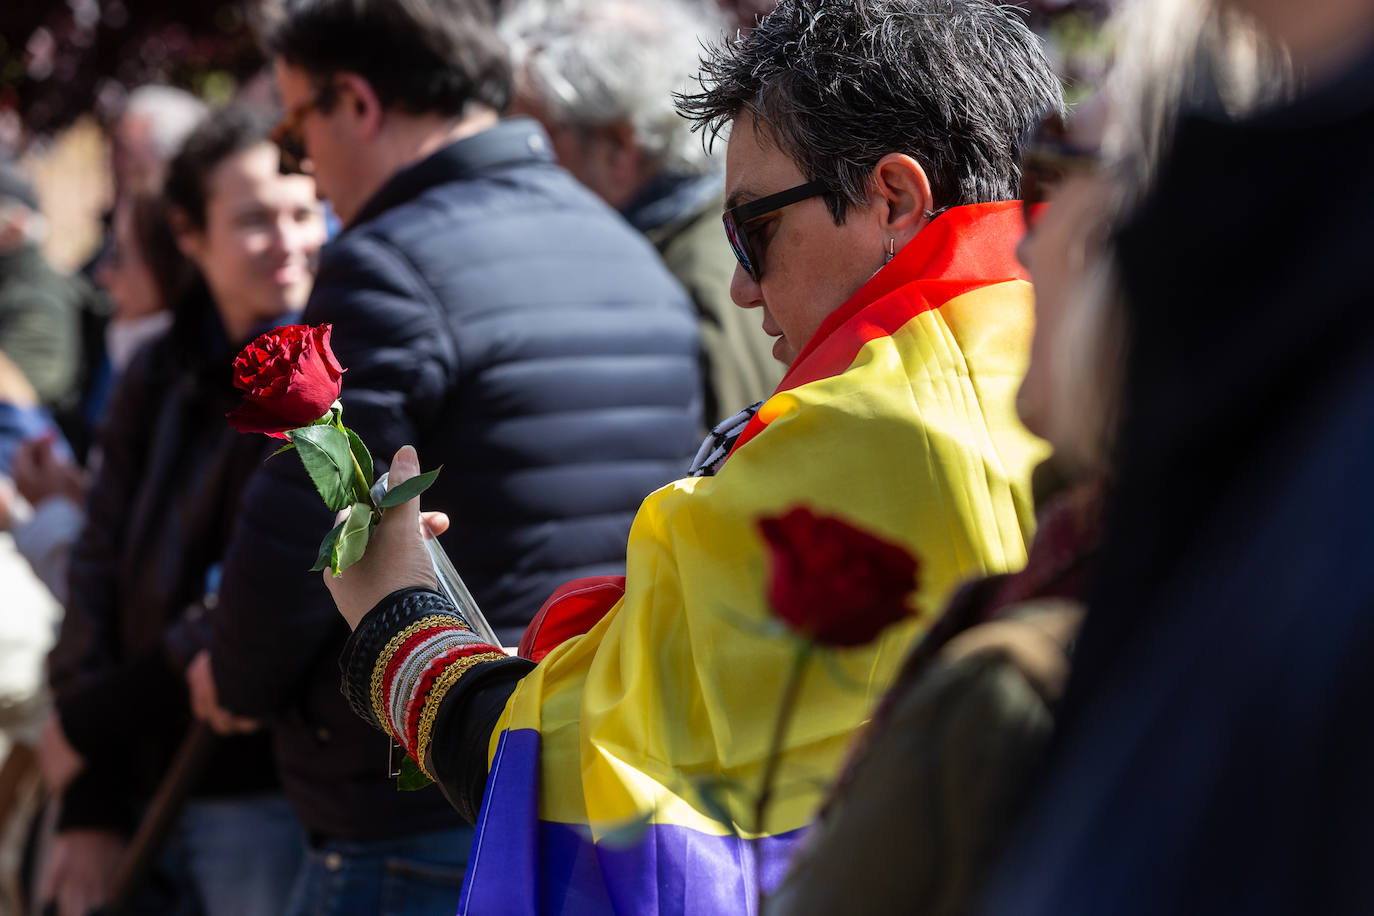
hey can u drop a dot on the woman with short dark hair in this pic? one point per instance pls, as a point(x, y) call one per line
point(872, 163)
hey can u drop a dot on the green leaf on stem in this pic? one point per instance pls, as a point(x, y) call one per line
point(404, 492)
point(328, 458)
point(353, 538)
point(326, 557)
point(363, 457)
point(285, 448)
point(412, 777)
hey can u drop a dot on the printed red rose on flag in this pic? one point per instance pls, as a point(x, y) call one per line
point(291, 378)
point(833, 583)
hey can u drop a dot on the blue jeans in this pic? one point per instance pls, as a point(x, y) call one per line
point(420, 875)
point(235, 855)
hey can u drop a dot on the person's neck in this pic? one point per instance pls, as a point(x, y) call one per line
point(1325, 39)
point(409, 139)
point(243, 322)
point(236, 328)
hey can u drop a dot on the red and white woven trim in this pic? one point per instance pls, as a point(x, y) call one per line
point(421, 696)
point(408, 665)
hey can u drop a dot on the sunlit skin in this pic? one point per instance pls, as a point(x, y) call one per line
point(357, 145)
point(1058, 253)
point(810, 265)
point(324, 139)
point(262, 234)
point(1322, 35)
point(124, 274)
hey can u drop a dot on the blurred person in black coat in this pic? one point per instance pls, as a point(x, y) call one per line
point(495, 312)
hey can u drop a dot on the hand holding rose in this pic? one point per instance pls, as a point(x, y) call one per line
point(293, 384)
point(396, 556)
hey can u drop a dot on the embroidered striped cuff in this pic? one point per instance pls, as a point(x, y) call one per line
point(415, 669)
point(406, 653)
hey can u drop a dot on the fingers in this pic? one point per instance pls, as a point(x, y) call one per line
point(58, 761)
point(39, 471)
point(205, 701)
point(25, 462)
point(226, 723)
point(433, 524)
point(80, 872)
point(405, 464)
point(395, 557)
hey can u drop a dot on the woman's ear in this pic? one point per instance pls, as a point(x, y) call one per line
point(904, 196)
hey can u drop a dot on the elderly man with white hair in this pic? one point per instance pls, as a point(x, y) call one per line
point(156, 119)
point(600, 76)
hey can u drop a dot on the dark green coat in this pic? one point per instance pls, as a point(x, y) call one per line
point(39, 324)
point(739, 365)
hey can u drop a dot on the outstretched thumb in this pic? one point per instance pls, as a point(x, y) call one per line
point(405, 464)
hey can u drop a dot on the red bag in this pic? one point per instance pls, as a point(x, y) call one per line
point(573, 609)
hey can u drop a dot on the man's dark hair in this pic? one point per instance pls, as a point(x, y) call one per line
point(222, 134)
point(838, 84)
point(419, 56)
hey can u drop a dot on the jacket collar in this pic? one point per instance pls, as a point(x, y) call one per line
point(669, 199)
point(508, 143)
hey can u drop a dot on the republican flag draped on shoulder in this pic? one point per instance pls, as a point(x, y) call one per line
point(604, 792)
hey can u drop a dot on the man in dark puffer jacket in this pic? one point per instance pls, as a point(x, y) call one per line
point(489, 309)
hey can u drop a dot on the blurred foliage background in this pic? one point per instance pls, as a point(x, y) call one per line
point(61, 59)
point(66, 67)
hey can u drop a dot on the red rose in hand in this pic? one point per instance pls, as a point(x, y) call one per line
point(291, 377)
point(834, 583)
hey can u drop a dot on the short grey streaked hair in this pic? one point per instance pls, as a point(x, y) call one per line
point(593, 63)
point(838, 84)
point(171, 115)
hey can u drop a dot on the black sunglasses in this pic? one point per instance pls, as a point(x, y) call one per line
point(736, 218)
point(287, 134)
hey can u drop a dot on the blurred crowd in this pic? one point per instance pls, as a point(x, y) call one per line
point(643, 276)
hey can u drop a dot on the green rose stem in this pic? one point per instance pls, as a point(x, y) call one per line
point(362, 487)
point(791, 690)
